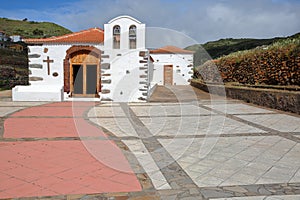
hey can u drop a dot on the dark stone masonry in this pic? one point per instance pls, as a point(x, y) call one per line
point(272, 97)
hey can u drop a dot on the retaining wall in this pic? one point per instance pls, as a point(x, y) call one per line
point(280, 99)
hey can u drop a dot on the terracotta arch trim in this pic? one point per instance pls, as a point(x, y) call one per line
point(69, 53)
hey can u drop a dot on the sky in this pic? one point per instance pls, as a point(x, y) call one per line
point(200, 20)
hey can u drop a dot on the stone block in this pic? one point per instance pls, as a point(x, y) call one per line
point(105, 56)
point(143, 76)
point(106, 81)
point(142, 53)
point(34, 55)
point(105, 91)
point(35, 78)
point(105, 66)
point(37, 66)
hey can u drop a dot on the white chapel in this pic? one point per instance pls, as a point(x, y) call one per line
point(107, 65)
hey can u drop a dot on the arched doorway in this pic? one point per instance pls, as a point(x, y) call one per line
point(82, 71)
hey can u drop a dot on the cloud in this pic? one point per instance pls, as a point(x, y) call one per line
point(200, 20)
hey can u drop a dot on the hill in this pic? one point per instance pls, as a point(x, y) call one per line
point(223, 47)
point(31, 29)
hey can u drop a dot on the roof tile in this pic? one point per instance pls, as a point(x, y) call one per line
point(170, 49)
point(93, 35)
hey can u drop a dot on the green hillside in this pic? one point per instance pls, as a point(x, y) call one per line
point(222, 47)
point(31, 29)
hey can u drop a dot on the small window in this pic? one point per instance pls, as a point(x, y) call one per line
point(132, 37)
point(116, 37)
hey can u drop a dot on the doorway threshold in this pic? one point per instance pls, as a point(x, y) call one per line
point(83, 99)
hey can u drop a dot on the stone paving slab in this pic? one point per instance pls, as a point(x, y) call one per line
point(237, 161)
point(8, 110)
point(112, 111)
point(238, 109)
point(20, 103)
point(148, 164)
point(279, 122)
point(248, 157)
point(169, 110)
point(201, 125)
point(275, 197)
point(120, 127)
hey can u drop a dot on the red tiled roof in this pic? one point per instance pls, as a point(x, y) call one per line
point(170, 49)
point(93, 35)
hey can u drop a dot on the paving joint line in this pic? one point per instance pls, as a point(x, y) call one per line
point(112, 137)
point(2, 120)
point(174, 174)
point(286, 135)
point(251, 190)
point(157, 116)
point(143, 177)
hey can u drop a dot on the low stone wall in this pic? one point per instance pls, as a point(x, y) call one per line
point(273, 98)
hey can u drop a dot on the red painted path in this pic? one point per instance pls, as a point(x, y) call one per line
point(59, 167)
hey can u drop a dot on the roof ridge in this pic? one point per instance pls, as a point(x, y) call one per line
point(66, 35)
point(170, 49)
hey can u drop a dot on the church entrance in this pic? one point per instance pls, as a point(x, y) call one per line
point(83, 76)
point(84, 79)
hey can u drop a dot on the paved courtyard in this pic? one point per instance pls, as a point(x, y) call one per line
point(197, 147)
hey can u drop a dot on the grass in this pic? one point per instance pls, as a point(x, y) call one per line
point(31, 29)
point(289, 45)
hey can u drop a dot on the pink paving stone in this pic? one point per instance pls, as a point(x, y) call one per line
point(69, 177)
point(7, 183)
point(45, 168)
point(72, 104)
point(47, 181)
point(25, 190)
point(51, 111)
point(49, 128)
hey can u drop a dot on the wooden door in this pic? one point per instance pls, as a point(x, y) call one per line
point(168, 74)
point(85, 75)
point(78, 79)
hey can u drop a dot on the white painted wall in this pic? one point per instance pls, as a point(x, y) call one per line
point(56, 53)
point(181, 72)
point(124, 86)
point(125, 79)
point(124, 22)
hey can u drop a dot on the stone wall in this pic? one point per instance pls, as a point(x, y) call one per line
point(269, 97)
point(13, 69)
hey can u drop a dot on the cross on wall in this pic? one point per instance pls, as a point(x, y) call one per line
point(48, 61)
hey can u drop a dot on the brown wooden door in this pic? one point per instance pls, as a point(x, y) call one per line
point(85, 75)
point(168, 74)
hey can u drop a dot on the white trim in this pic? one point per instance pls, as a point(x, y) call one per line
point(124, 16)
